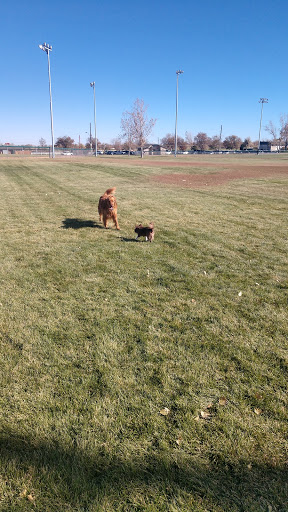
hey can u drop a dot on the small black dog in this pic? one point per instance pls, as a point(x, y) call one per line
point(148, 232)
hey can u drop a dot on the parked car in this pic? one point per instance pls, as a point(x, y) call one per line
point(67, 153)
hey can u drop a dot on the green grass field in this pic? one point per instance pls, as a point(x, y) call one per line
point(138, 376)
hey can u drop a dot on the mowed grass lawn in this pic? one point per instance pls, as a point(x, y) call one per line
point(142, 376)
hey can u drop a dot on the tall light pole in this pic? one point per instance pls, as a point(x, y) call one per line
point(179, 72)
point(262, 100)
point(92, 84)
point(220, 139)
point(47, 48)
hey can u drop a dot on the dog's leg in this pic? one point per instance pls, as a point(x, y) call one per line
point(146, 238)
point(116, 223)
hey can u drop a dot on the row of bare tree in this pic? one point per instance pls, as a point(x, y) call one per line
point(136, 128)
point(279, 133)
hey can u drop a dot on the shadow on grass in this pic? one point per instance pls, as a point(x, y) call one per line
point(128, 239)
point(79, 224)
point(77, 478)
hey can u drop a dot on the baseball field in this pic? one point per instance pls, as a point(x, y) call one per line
point(141, 376)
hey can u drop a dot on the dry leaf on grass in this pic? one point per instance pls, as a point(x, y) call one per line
point(240, 294)
point(258, 411)
point(205, 415)
point(23, 494)
point(165, 411)
point(30, 498)
point(258, 396)
point(222, 400)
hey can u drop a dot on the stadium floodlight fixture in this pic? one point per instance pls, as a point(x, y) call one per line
point(262, 100)
point(92, 84)
point(47, 49)
point(178, 72)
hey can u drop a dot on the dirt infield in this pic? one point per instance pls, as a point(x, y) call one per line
point(217, 178)
point(217, 170)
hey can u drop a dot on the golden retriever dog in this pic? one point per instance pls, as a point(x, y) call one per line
point(107, 207)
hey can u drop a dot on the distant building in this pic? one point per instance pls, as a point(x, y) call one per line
point(267, 146)
point(154, 149)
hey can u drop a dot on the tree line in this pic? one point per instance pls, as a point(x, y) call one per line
point(136, 128)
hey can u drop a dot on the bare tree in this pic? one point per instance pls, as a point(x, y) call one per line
point(42, 142)
point(284, 129)
point(189, 139)
point(168, 142)
point(273, 130)
point(64, 142)
point(181, 143)
point(90, 144)
point(141, 126)
point(232, 142)
point(214, 142)
point(116, 143)
point(126, 130)
point(279, 133)
point(275, 133)
point(201, 141)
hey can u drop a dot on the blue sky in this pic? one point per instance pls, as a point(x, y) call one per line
point(232, 54)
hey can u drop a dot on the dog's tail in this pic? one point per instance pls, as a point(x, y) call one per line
point(110, 191)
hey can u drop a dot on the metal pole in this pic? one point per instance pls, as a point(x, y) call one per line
point(95, 121)
point(220, 138)
point(179, 72)
point(175, 148)
point(260, 128)
point(262, 100)
point(92, 84)
point(51, 109)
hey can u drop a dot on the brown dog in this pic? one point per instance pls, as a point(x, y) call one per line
point(107, 207)
point(148, 232)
